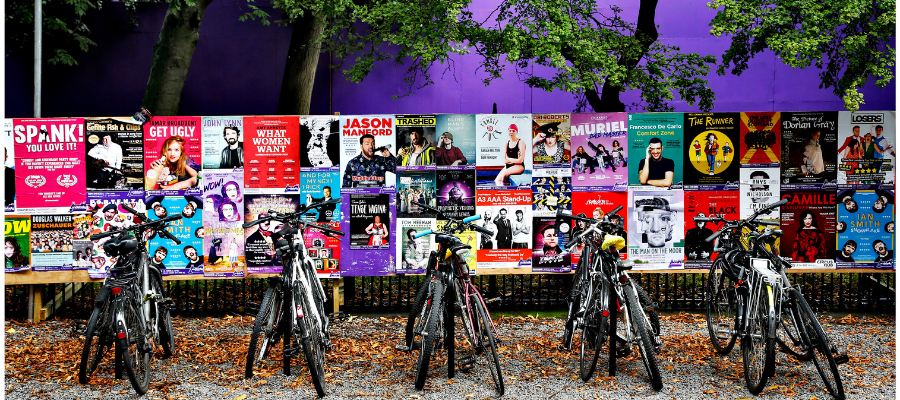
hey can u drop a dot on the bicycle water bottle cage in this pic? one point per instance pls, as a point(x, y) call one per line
point(613, 240)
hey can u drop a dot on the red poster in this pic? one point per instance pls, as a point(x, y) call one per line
point(271, 147)
point(50, 175)
point(595, 205)
point(172, 155)
point(760, 139)
point(698, 251)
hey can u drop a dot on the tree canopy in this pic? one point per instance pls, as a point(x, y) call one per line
point(850, 41)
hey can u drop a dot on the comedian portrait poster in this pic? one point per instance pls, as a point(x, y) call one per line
point(760, 139)
point(656, 235)
point(49, 171)
point(551, 140)
point(368, 221)
point(600, 151)
point(368, 153)
point(115, 154)
point(506, 213)
point(867, 151)
point(504, 150)
point(185, 258)
point(172, 156)
point(809, 141)
point(271, 152)
point(318, 186)
point(259, 248)
point(549, 247)
point(455, 135)
point(320, 137)
point(865, 226)
point(656, 151)
point(413, 252)
point(705, 204)
point(808, 221)
point(713, 148)
point(223, 143)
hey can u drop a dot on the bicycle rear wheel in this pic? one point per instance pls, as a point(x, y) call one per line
point(641, 330)
point(97, 341)
point(592, 331)
point(757, 347)
point(721, 314)
point(264, 329)
point(314, 347)
point(134, 350)
point(489, 346)
point(434, 312)
point(821, 347)
point(164, 319)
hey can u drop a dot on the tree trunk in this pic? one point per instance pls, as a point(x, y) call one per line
point(172, 57)
point(646, 34)
point(301, 64)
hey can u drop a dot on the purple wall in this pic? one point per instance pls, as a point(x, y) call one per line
point(237, 70)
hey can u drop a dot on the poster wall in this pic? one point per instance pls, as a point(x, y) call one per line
point(725, 204)
point(551, 145)
point(507, 213)
point(50, 171)
point(415, 186)
point(656, 151)
point(808, 141)
point(16, 243)
point(272, 149)
point(223, 199)
point(656, 239)
point(600, 151)
point(321, 137)
point(865, 226)
point(172, 156)
point(115, 154)
point(223, 249)
point(455, 147)
point(808, 222)
point(504, 149)
point(223, 142)
point(104, 213)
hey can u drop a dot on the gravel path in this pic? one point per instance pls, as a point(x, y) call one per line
point(42, 362)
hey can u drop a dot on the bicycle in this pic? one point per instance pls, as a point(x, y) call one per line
point(293, 307)
point(769, 311)
point(601, 290)
point(132, 311)
point(432, 316)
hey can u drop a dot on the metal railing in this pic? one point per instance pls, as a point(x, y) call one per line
point(844, 291)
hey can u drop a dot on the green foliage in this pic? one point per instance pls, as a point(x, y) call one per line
point(851, 41)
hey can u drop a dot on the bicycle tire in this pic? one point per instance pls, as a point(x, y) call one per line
point(487, 340)
point(642, 328)
point(821, 348)
point(450, 331)
point(434, 313)
point(758, 367)
point(314, 348)
point(418, 304)
point(649, 309)
point(787, 335)
point(721, 314)
point(97, 342)
point(574, 304)
point(287, 325)
point(263, 330)
point(592, 332)
point(135, 358)
point(164, 318)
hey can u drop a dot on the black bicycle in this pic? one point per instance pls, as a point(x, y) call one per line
point(601, 291)
point(132, 310)
point(293, 307)
point(432, 316)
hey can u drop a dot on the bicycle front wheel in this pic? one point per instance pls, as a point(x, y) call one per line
point(641, 330)
point(721, 313)
point(489, 345)
point(263, 330)
point(416, 312)
point(592, 331)
point(314, 346)
point(97, 340)
point(757, 347)
point(134, 350)
point(433, 313)
point(821, 347)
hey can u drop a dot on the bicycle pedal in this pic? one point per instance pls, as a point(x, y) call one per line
point(724, 331)
point(841, 358)
point(465, 363)
point(292, 351)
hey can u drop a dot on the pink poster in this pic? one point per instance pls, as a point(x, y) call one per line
point(50, 175)
point(172, 155)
